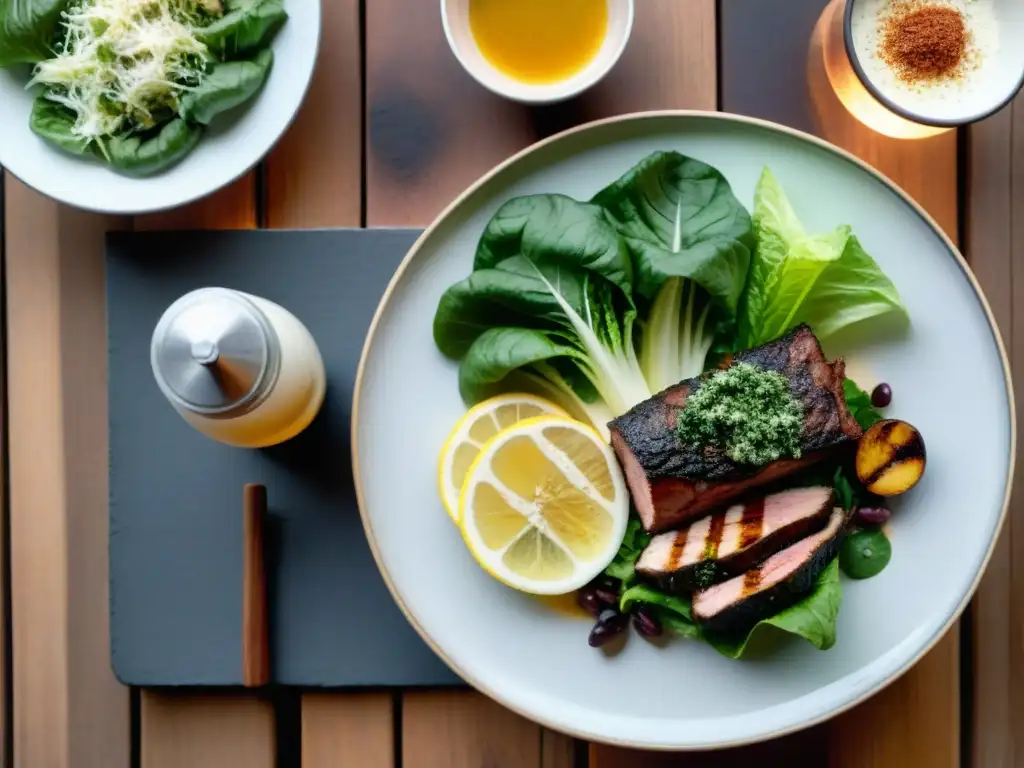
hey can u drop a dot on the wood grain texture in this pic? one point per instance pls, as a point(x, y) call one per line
point(69, 711)
point(556, 750)
point(314, 179)
point(255, 618)
point(314, 176)
point(352, 730)
point(806, 750)
point(465, 730)
point(233, 207)
point(209, 731)
point(916, 720)
point(995, 191)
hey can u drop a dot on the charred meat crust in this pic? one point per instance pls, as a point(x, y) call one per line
point(742, 615)
point(649, 429)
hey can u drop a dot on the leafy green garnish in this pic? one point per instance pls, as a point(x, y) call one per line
point(633, 543)
point(813, 618)
point(641, 593)
point(846, 496)
point(826, 280)
point(143, 154)
point(27, 30)
point(226, 85)
point(55, 123)
point(859, 403)
point(671, 611)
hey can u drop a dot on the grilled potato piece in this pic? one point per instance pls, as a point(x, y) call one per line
point(890, 458)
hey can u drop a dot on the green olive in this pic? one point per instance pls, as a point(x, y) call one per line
point(865, 554)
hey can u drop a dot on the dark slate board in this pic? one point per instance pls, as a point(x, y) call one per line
point(175, 496)
point(763, 58)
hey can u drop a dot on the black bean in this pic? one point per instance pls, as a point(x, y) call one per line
point(881, 396)
point(608, 597)
point(872, 515)
point(646, 624)
point(610, 624)
point(588, 600)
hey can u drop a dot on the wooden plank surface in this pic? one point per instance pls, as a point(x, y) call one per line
point(212, 731)
point(916, 721)
point(350, 729)
point(465, 730)
point(995, 195)
point(68, 709)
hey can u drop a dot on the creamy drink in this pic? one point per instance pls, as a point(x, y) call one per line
point(933, 58)
point(240, 369)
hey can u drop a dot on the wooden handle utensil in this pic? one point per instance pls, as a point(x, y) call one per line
point(255, 622)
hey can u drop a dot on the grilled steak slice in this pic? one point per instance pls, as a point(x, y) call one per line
point(735, 540)
point(736, 605)
point(672, 482)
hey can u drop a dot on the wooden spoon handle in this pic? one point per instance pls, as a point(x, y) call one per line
point(255, 629)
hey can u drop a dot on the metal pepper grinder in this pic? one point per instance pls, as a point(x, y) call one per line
point(239, 368)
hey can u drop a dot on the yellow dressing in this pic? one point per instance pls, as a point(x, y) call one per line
point(539, 41)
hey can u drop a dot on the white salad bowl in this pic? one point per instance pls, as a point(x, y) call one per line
point(233, 143)
point(949, 375)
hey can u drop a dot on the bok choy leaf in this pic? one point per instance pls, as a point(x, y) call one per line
point(690, 241)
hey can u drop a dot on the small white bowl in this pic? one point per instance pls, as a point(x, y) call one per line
point(234, 142)
point(455, 17)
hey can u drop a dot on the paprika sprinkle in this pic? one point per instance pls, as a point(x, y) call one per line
point(925, 41)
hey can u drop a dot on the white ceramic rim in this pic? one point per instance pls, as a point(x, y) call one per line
point(900, 670)
point(594, 76)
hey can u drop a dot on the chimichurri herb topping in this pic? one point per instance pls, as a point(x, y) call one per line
point(745, 411)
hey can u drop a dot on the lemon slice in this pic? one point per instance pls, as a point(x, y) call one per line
point(544, 506)
point(483, 421)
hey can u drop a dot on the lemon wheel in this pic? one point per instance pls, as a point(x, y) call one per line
point(544, 506)
point(481, 423)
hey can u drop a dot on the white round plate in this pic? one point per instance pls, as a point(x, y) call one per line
point(234, 142)
point(949, 376)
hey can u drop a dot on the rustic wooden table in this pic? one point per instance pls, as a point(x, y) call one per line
point(392, 129)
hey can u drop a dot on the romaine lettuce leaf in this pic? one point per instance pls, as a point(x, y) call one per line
point(826, 280)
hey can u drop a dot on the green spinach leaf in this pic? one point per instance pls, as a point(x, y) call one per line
point(555, 229)
point(227, 85)
point(671, 611)
point(28, 29)
point(53, 122)
point(679, 218)
point(641, 593)
point(244, 29)
point(813, 618)
point(633, 543)
point(156, 151)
